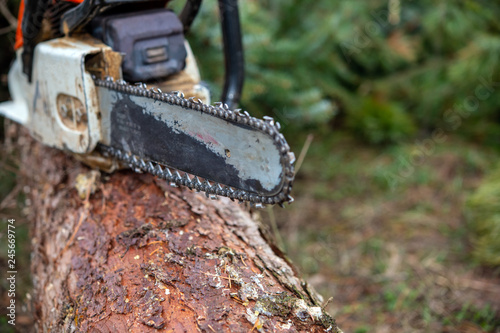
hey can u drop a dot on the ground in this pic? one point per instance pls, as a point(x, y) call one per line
point(381, 230)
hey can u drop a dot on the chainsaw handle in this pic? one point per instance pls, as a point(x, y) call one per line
point(189, 13)
point(31, 26)
point(233, 49)
point(233, 52)
point(77, 17)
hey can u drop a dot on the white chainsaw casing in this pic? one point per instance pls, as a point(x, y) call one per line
point(17, 109)
point(60, 105)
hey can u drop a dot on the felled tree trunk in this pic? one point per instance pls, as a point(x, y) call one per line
point(126, 252)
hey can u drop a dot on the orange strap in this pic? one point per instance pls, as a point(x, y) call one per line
point(19, 31)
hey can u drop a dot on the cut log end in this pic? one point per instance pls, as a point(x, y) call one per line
point(127, 252)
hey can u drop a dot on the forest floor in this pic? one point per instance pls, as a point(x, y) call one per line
point(381, 230)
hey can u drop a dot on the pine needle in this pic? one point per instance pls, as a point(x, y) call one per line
point(303, 152)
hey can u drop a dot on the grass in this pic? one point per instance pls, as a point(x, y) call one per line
point(483, 217)
point(395, 255)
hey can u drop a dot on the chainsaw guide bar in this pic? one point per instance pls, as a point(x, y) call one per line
point(183, 153)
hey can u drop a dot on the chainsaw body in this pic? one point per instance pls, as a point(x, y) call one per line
point(60, 106)
point(71, 92)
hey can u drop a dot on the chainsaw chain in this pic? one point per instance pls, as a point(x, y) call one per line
point(219, 110)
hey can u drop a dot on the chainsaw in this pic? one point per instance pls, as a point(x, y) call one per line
point(115, 83)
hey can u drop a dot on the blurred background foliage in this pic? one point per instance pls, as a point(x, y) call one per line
point(384, 70)
point(399, 227)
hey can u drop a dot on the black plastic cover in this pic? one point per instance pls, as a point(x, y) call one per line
point(152, 42)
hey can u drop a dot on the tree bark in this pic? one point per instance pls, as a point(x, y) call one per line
point(127, 252)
